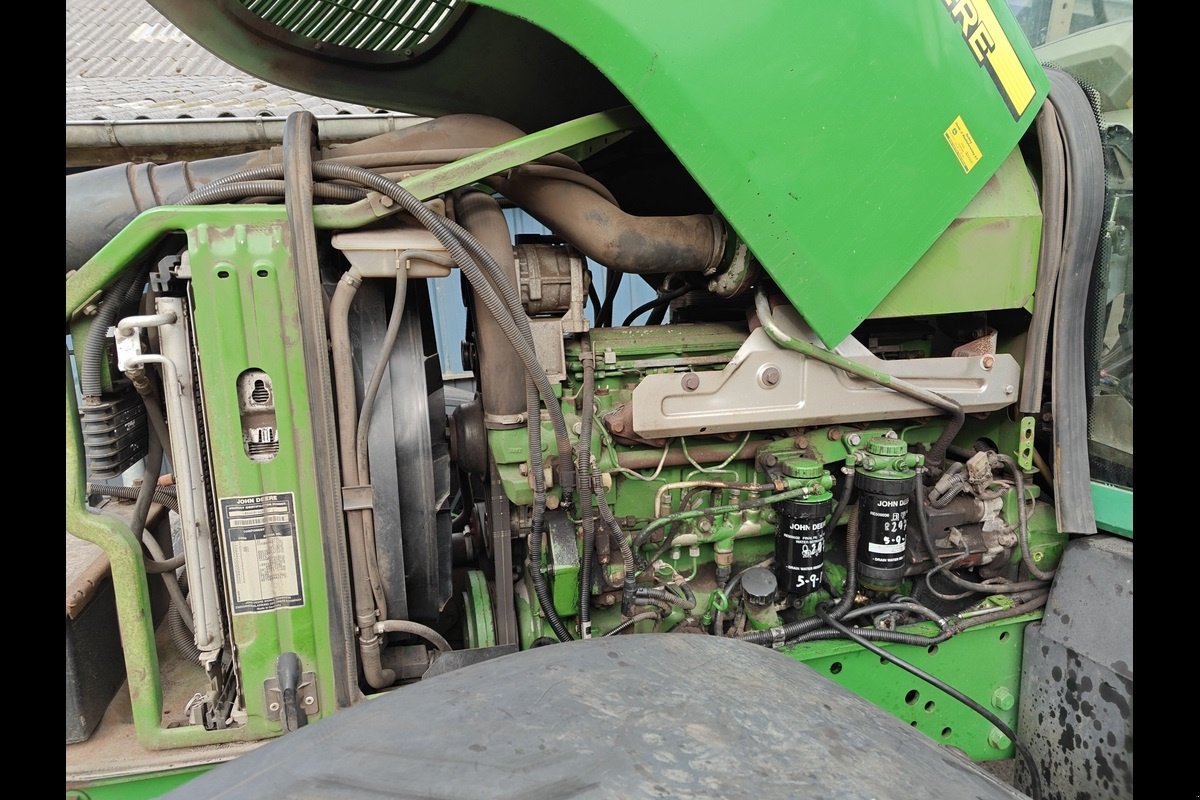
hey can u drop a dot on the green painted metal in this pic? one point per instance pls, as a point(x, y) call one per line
point(146, 786)
point(247, 317)
point(114, 537)
point(1046, 543)
point(888, 459)
point(1114, 508)
point(477, 608)
point(1025, 436)
point(983, 662)
point(987, 259)
point(476, 167)
point(831, 96)
point(520, 151)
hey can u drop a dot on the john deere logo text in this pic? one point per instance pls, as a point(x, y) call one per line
point(989, 45)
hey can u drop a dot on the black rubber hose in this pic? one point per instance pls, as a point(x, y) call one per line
point(183, 639)
point(539, 516)
point(662, 605)
point(612, 284)
point(874, 634)
point(90, 383)
point(583, 470)
point(161, 494)
point(879, 608)
point(790, 631)
point(298, 141)
point(1023, 516)
point(147, 492)
point(658, 301)
point(633, 620)
point(468, 253)
point(1035, 781)
point(607, 517)
point(719, 616)
point(597, 304)
point(900, 637)
point(686, 604)
point(936, 456)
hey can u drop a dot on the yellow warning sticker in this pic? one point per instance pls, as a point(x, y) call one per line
point(963, 144)
point(989, 44)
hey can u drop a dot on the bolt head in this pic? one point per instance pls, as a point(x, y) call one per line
point(834, 434)
point(854, 439)
point(618, 426)
point(691, 382)
point(1008, 389)
point(770, 376)
point(1002, 699)
point(987, 362)
point(310, 700)
point(997, 739)
point(273, 706)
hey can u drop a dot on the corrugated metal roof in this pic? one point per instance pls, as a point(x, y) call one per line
point(126, 61)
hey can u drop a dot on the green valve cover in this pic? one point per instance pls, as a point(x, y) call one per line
point(838, 139)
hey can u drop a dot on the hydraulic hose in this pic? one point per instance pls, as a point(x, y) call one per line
point(545, 601)
point(655, 303)
point(184, 641)
point(1023, 516)
point(584, 472)
point(368, 589)
point(362, 458)
point(298, 196)
point(687, 604)
point(169, 580)
point(90, 382)
point(607, 517)
point(937, 453)
point(633, 620)
point(414, 629)
point(914, 608)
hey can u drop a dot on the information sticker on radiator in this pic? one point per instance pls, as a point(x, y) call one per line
point(262, 552)
point(963, 144)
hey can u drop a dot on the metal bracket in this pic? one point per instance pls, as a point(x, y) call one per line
point(357, 498)
point(548, 345)
point(808, 392)
point(1025, 444)
point(306, 691)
